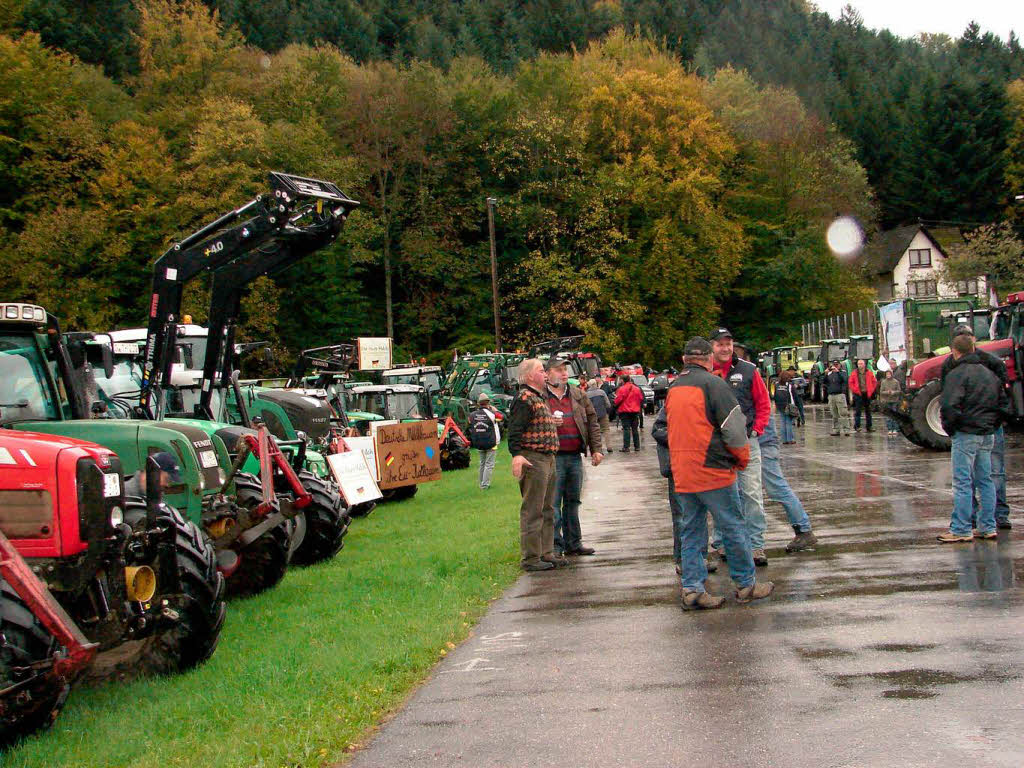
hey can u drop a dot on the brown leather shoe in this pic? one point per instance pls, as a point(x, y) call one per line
point(559, 561)
point(700, 601)
point(543, 565)
point(756, 591)
point(581, 551)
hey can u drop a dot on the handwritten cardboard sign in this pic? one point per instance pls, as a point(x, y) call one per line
point(365, 445)
point(408, 453)
point(355, 480)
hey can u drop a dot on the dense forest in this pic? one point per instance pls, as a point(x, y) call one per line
point(659, 165)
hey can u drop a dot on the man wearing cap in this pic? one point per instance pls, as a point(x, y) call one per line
point(484, 436)
point(708, 441)
point(579, 431)
point(836, 385)
point(533, 443)
point(750, 390)
point(169, 475)
point(997, 367)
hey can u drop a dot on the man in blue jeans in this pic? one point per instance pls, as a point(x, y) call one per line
point(776, 486)
point(579, 431)
point(706, 433)
point(972, 408)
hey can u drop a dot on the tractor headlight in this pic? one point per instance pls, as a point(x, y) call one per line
point(222, 477)
point(116, 517)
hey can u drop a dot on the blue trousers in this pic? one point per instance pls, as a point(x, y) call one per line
point(692, 510)
point(568, 491)
point(777, 487)
point(972, 468)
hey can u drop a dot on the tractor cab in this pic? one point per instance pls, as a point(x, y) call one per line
point(430, 377)
point(860, 348)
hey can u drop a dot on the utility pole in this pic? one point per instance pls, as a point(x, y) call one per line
point(491, 202)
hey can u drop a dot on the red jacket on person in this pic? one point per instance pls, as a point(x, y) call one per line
point(629, 398)
point(869, 379)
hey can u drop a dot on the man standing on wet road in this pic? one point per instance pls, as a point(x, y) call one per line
point(972, 409)
point(862, 385)
point(997, 367)
point(707, 437)
point(533, 443)
point(578, 432)
point(835, 390)
point(750, 391)
point(778, 488)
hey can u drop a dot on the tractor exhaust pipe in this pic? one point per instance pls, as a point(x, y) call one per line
point(140, 583)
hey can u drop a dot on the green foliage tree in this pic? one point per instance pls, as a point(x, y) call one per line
point(993, 250)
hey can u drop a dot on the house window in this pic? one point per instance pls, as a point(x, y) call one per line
point(967, 288)
point(920, 257)
point(921, 288)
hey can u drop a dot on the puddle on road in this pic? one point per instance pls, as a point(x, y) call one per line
point(909, 693)
point(903, 647)
point(920, 683)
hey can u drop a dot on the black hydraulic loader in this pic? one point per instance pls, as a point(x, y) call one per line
point(326, 518)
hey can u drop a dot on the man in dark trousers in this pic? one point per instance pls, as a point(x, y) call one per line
point(835, 390)
point(997, 367)
point(533, 443)
point(750, 391)
point(862, 385)
point(971, 410)
point(708, 443)
point(579, 432)
point(629, 401)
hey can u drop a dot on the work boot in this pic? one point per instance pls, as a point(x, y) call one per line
point(581, 550)
point(951, 538)
point(543, 565)
point(1004, 524)
point(760, 558)
point(700, 601)
point(756, 591)
point(556, 559)
point(802, 540)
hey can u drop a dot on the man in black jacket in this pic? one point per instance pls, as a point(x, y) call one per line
point(835, 389)
point(971, 410)
point(997, 367)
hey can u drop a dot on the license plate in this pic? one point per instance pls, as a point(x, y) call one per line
point(111, 486)
point(208, 459)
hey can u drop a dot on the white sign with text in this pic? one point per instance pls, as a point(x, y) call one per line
point(354, 477)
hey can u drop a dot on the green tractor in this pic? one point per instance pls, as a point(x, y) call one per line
point(493, 374)
point(830, 350)
point(125, 569)
point(860, 347)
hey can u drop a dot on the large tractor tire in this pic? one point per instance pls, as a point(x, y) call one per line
point(398, 494)
point(23, 642)
point(362, 510)
point(924, 417)
point(327, 522)
point(193, 639)
point(263, 563)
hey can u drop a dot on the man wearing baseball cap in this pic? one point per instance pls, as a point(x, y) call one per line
point(752, 394)
point(169, 475)
point(997, 367)
point(706, 435)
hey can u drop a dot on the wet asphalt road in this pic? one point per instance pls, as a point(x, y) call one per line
point(879, 648)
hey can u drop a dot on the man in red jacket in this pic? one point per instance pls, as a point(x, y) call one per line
point(862, 385)
point(628, 402)
point(752, 394)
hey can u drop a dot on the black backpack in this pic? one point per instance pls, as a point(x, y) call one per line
point(481, 430)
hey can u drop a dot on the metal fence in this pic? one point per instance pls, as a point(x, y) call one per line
point(858, 322)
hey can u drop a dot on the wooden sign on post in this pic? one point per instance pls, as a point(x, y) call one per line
point(408, 454)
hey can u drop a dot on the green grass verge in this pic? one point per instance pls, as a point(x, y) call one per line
point(304, 671)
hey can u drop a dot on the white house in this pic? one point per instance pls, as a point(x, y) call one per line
point(904, 263)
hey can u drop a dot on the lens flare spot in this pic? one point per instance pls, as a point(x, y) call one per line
point(845, 237)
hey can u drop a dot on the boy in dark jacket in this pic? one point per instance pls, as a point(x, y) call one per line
point(971, 410)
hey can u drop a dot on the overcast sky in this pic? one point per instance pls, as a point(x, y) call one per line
point(907, 18)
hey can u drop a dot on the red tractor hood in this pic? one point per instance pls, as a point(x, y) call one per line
point(929, 369)
point(41, 448)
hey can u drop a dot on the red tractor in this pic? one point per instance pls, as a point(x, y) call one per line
point(86, 569)
point(918, 409)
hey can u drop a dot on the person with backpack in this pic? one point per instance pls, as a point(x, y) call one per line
point(484, 435)
point(785, 404)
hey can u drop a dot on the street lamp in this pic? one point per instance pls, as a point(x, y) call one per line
point(491, 202)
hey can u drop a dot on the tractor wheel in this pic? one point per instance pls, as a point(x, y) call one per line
point(924, 415)
point(362, 510)
point(263, 563)
point(327, 522)
point(398, 494)
point(23, 642)
point(194, 638)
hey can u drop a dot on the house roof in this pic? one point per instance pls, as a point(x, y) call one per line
point(885, 250)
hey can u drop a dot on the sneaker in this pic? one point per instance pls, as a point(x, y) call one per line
point(556, 559)
point(711, 564)
point(1004, 524)
point(756, 591)
point(760, 558)
point(950, 538)
point(543, 565)
point(986, 535)
point(700, 601)
point(802, 540)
